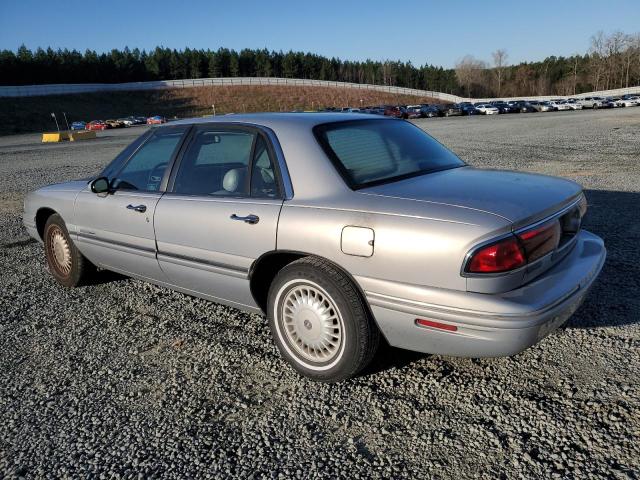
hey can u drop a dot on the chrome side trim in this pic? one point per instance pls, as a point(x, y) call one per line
point(187, 291)
point(217, 267)
point(114, 244)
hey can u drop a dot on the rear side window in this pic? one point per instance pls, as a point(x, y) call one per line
point(216, 163)
point(229, 163)
point(369, 152)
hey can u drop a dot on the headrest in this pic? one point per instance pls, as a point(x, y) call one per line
point(233, 180)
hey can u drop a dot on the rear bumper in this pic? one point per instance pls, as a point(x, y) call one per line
point(487, 325)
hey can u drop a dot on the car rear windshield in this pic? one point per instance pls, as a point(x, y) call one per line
point(371, 152)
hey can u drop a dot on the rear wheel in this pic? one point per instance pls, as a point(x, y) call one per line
point(67, 265)
point(320, 322)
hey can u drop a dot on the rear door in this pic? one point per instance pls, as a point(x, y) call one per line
point(115, 230)
point(220, 213)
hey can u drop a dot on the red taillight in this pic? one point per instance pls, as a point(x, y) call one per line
point(499, 257)
point(541, 240)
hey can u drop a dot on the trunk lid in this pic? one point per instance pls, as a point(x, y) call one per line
point(520, 198)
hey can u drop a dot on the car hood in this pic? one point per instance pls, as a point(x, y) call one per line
point(72, 186)
point(519, 198)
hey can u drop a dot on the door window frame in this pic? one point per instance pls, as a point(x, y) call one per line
point(231, 127)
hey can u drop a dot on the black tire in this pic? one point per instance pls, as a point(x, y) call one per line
point(352, 323)
point(67, 265)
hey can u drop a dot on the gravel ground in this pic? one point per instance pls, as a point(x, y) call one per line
point(122, 379)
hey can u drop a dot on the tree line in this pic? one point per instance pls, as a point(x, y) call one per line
point(612, 61)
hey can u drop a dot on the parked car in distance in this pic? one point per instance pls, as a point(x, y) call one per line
point(467, 108)
point(542, 106)
point(523, 106)
point(156, 120)
point(412, 111)
point(593, 102)
point(97, 125)
point(626, 102)
point(394, 111)
point(79, 125)
point(126, 121)
point(502, 106)
point(449, 110)
point(487, 109)
point(429, 111)
point(115, 123)
point(558, 105)
point(508, 262)
point(573, 104)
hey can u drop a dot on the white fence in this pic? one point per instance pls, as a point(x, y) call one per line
point(67, 88)
point(61, 89)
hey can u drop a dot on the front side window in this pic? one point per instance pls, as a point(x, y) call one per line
point(145, 169)
point(368, 152)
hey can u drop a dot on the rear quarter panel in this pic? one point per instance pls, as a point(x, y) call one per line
point(421, 246)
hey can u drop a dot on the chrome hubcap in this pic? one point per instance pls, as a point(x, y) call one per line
point(61, 252)
point(312, 323)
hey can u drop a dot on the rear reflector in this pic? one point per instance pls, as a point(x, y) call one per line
point(430, 323)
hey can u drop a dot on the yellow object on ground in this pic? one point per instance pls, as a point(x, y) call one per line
point(81, 135)
point(72, 135)
point(55, 136)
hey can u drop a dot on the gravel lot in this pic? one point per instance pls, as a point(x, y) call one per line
point(122, 379)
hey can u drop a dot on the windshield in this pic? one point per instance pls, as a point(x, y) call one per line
point(370, 152)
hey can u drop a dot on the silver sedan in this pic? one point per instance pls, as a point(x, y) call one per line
point(342, 228)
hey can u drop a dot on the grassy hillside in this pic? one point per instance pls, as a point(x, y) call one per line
point(32, 114)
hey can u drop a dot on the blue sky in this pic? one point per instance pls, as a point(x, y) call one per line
point(436, 32)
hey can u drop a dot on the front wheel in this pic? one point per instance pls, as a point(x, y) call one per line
point(319, 321)
point(67, 265)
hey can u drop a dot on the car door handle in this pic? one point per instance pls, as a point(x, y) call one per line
point(137, 208)
point(250, 219)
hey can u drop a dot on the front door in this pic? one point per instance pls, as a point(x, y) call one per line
point(220, 213)
point(115, 230)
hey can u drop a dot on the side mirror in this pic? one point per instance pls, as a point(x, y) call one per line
point(100, 185)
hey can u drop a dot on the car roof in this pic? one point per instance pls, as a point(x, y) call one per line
point(306, 161)
point(278, 120)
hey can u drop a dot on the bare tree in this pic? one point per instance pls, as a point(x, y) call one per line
point(469, 72)
point(597, 59)
point(575, 74)
point(499, 62)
